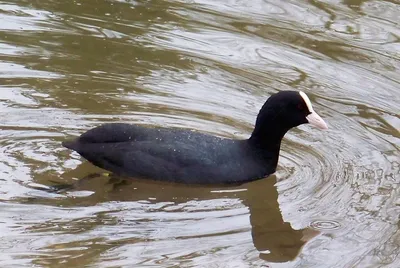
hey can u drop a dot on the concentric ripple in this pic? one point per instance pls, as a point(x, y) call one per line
point(325, 225)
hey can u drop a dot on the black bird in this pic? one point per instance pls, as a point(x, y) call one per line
point(184, 156)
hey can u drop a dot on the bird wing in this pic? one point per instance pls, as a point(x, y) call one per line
point(113, 132)
point(149, 159)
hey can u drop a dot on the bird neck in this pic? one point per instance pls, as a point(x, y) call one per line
point(268, 133)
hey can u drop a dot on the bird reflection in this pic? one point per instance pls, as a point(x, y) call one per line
point(275, 239)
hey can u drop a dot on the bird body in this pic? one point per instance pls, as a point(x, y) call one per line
point(186, 156)
point(172, 154)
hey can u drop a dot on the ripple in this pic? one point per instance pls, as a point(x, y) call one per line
point(325, 225)
point(19, 71)
point(22, 19)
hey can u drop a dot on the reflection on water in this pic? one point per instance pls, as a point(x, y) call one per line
point(208, 66)
point(183, 213)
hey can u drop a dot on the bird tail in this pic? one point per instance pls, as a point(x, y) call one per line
point(71, 144)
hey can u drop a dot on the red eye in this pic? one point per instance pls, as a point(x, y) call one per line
point(300, 106)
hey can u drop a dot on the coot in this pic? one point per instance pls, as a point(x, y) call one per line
point(185, 156)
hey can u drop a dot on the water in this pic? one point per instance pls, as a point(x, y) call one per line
point(209, 66)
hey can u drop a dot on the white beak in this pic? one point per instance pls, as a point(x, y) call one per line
point(315, 120)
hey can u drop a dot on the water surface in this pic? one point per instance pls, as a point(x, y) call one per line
point(206, 65)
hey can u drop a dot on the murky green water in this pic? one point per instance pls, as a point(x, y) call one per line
point(208, 65)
